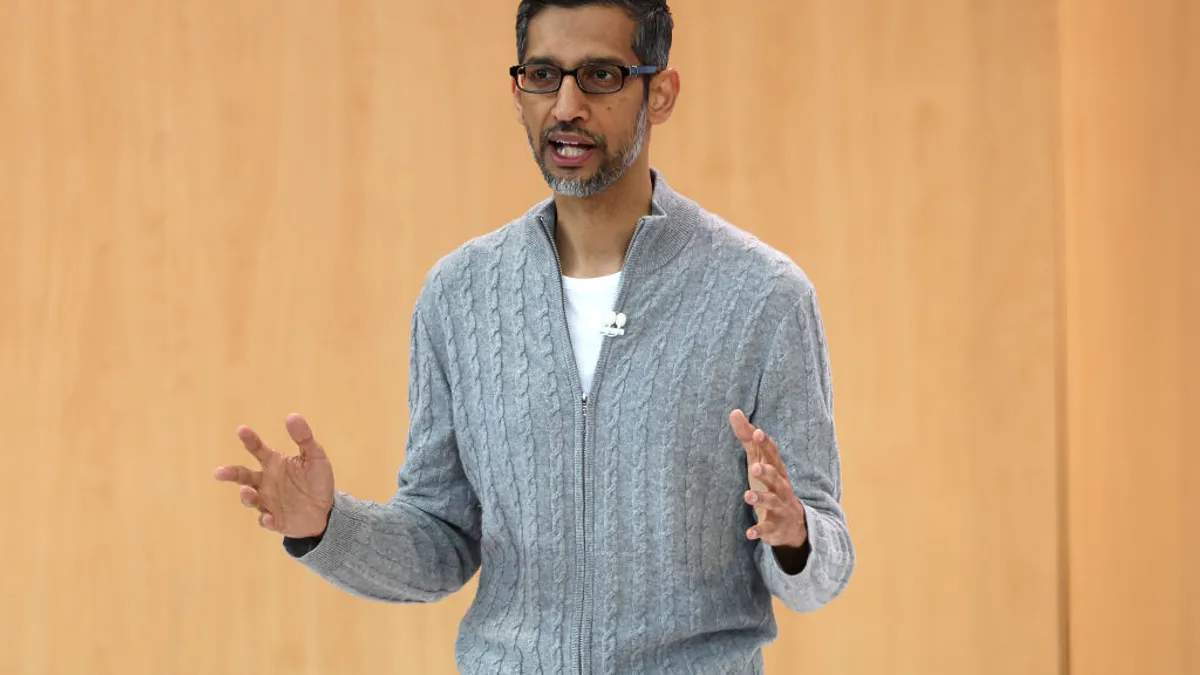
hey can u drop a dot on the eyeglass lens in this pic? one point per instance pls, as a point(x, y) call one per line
point(592, 78)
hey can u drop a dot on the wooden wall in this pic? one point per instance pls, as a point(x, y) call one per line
point(1131, 146)
point(217, 212)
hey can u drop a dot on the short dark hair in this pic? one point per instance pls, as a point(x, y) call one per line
point(651, 41)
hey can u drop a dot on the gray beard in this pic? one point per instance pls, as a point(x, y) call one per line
point(612, 169)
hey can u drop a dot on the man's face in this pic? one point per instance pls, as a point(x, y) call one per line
point(583, 142)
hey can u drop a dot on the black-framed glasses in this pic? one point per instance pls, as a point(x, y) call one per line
point(593, 78)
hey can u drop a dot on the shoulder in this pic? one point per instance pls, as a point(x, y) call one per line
point(775, 289)
point(454, 272)
point(744, 255)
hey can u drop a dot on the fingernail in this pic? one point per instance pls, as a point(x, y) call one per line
point(756, 469)
point(753, 497)
point(754, 534)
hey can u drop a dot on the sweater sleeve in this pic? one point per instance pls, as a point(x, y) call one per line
point(795, 407)
point(424, 543)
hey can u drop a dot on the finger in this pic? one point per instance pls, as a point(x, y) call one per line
point(250, 498)
point(767, 532)
point(764, 501)
point(238, 474)
point(760, 530)
point(771, 530)
point(302, 434)
point(769, 476)
point(768, 451)
point(765, 445)
point(760, 445)
point(745, 431)
point(267, 521)
point(741, 426)
point(254, 444)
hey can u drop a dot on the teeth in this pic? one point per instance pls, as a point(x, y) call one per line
point(571, 150)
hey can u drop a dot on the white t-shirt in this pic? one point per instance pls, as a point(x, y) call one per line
point(589, 302)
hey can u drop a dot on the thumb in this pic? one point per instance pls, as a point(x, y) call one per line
point(741, 426)
point(302, 434)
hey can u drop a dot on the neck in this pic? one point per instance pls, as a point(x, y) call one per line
point(593, 233)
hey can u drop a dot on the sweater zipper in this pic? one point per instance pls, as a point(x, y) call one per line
point(581, 544)
point(585, 544)
point(583, 655)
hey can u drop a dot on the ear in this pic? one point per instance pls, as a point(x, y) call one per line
point(664, 92)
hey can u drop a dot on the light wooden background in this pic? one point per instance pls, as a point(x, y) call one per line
point(216, 212)
point(1131, 248)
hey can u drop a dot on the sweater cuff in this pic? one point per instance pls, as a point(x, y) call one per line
point(327, 553)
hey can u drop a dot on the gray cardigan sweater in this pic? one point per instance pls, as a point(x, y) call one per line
point(607, 526)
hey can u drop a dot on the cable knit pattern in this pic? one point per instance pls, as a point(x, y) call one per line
point(608, 533)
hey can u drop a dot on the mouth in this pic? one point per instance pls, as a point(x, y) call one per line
point(571, 154)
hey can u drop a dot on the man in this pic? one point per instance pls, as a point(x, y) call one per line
point(592, 388)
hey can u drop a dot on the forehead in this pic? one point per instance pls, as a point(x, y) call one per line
point(570, 36)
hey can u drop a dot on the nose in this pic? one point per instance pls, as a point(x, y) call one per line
point(571, 103)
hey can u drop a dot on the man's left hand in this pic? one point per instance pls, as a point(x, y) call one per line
point(781, 521)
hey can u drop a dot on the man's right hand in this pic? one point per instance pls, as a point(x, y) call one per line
point(292, 493)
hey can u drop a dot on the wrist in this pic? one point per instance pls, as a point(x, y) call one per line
point(793, 559)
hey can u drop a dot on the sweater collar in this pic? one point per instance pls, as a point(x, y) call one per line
point(659, 236)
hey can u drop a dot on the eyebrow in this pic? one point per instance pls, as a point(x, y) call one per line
point(590, 58)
